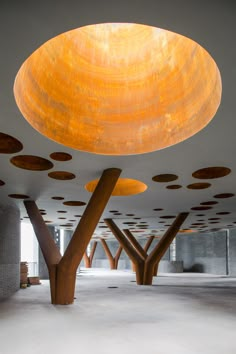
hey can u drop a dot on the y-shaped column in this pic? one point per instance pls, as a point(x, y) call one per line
point(144, 263)
point(145, 248)
point(62, 270)
point(88, 260)
point(112, 260)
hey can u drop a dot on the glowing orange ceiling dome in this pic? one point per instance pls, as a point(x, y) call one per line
point(118, 89)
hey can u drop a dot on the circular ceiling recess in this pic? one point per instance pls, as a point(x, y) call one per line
point(166, 177)
point(60, 156)
point(224, 195)
point(174, 186)
point(201, 208)
point(9, 145)
point(2, 183)
point(30, 162)
point(123, 187)
point(118, 88)
point(211, 202)
point(18, 196)
point(74, 203)
point(61, 175)
point(211, 172)
point(198, 185)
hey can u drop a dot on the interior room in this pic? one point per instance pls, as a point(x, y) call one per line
point(117, 185)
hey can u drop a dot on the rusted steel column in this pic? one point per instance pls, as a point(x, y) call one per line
point(88, 260)
point(93, 249)
point(48, 247)
point(148, 243)
point(129, 249)
point(117, 256)
point(162, 246)
point(135, 243)
point(108, 253)
point(66, 269)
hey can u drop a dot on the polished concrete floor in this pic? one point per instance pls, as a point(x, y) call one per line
point(179, 314)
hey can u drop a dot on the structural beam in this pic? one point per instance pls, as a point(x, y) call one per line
point(108, 253)
point(129, 249)
point(146, 265)
point(88, 260)
point(63, 269)
point(48, 247)
point(117, 255)
point(112, 260)
point(148, 243)
point(159, 250)
point(66, 270)
point(135, 243)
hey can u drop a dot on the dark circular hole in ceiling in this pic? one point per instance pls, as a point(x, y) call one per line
point(60, 156)
point(199, 185)
point(1, 183)
point(167, 177)
point(58, 198)
point(211, 172)
point(61, 175)
point(74, 203)
point(18, 196)
point(224, 195)
point(174, 186)
point(209, 203)
point(9, 144)
point(32, 163)
point(201, 208)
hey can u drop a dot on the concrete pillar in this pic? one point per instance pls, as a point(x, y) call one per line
point(9, 250)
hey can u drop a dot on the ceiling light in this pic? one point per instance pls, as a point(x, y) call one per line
point(118, 89)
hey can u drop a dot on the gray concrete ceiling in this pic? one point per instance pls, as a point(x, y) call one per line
point(25, 25)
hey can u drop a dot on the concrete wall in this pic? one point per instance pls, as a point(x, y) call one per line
point(9, 251)
point(100, 259)
point(232, 252)
point(203, 253)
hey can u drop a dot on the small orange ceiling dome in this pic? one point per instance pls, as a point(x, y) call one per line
point(118, 89)
point(123, 187)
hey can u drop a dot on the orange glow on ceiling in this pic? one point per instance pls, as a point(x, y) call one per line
point(123, 187)
point(185, 231)
point(118, 89)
